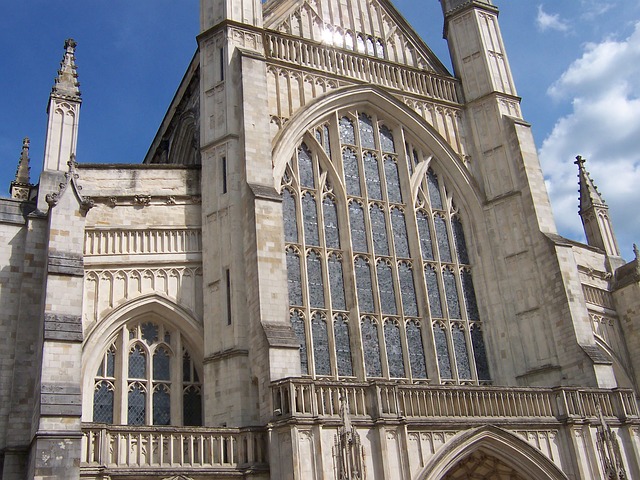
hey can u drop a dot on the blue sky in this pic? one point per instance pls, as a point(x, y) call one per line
point(576, 65)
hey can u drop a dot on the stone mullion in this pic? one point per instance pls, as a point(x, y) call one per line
point(148, 383)
point(121, 398)
point(176, 386)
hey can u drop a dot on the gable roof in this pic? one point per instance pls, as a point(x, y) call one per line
point(373, 27)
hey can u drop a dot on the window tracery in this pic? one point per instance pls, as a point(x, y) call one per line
point(149, 390)
point(398, 264)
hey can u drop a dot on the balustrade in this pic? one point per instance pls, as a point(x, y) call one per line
point(363, 68)
point(131, 242)
point(383, 400)
point(116, 447)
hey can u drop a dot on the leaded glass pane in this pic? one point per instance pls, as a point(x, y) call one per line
point(366, 125)
point(394, 349)
point(186, 368)
point(297, 323)
point(443, 239)
point(310, 217)
point(379, 230)
point(289, 216)
point(149, 332)
point(400, 233)
point(386, 140)
point(336, 282)
point(431, 278)
point(343, 347)
point(161, 362)
point(136, 405)
point(320, 345)
point(103, 403)
point(137, 363)
point(434, 190)
point(416, 351)
point(371, 346)
point(358, 230)
point(293, 278)
point(442, 351)
point(386, 289)
point(372, 176)
point(192, 407)
point(327, 141)
point(479, 353)
point(111, 362)
point(425, 235)
point(393, 180)
point(332, 235)
point(316, 285)
point(161, 405)
point(451, 292)
point(351, 174)
point(458, 239)
point(305, 167)
point(407, 290)
point(462, 355)
point(347, 134)
point(469, 296)
point(363, 285)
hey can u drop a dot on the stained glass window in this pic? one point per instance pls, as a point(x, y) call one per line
point(297, 323)
point(425, 235)
point(451, 291)
point(371, 346)
point(386, 288)
point(358, 229)
point(305, 167)
point(149, 332)
point(293, 277)
point(433, 291)
point(442, 351)
point(458, 238)
point(386, 140)
point(347, 135)
point(395, 356)
point(462, 356)
point(161, 405)
point(469, 295)
point(320, 345)
point(316, 285)
point(103, 402)
point(351, 174)
point(343, 347)
point(394, 191)
point(161, 364)
point(479, 353)
point(137, 362)
point(337, 283)
point(379, 230)
point(407, 290)
point(363, 283)
point(443, 238)
point(136, 404)
point(310, 216)
point(366, 129)
point(332, 236)
point(434, 190)
point(400, 233)
point(416, 351)
point(289, 216)
point(192, 406)
point(372, 176)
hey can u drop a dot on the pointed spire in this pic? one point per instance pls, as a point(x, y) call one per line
point(66, 83)
point(589, 195)
point(595, 213)
point(20, 187)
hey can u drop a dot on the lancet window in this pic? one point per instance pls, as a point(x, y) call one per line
point(147, 376)
point(380, 281)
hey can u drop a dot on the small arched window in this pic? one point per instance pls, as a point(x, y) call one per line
point(147, 377)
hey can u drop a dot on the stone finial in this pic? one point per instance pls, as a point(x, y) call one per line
point(589, 195)
point(66, 83)
point(449, 6)
point(636, 251)
point(20, 187)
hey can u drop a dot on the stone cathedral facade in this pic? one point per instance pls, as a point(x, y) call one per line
point(337, 261)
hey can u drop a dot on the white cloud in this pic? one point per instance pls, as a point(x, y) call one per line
point(604, 126)
point(546, 21)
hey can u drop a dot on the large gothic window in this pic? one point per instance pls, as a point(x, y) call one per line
point(147, 377)
point(380, 283)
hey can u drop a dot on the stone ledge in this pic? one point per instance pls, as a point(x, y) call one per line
point(63, 327)
point(64, 263)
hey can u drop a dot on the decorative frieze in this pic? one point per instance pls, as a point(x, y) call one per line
point(597, 296)
point(100, 242)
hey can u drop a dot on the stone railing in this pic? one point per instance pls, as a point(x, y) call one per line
point(360, 67)
point(135, 242)
point(170, 449)
point(302, 397)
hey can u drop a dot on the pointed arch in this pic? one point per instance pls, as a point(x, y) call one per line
point(495, 442)
point(373, 99)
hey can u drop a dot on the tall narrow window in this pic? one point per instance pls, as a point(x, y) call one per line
point(228, 292)
point(395, 356)
point(320, 345)
point(343, 346)
point(297, 323)
point(416, 351)
point(224, 174)
point(371, 345)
